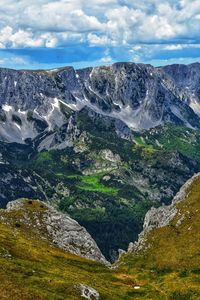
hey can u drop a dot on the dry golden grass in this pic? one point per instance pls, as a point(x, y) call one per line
point(33, 268)
point(170, 268)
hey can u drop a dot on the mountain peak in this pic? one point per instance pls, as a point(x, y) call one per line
point(139, 95)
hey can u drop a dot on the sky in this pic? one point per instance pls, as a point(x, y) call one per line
point(43, 34)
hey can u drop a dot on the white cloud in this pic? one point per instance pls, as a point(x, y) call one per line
point(53, 23)
point(20, 38)
point(180, 46)
point(94, 39)
point(174, 47)
point(106, 59)
point(13, 60)
point(60, 16)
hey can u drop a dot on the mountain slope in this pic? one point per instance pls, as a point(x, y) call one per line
point(164, 266)
point(104, 182)
point(139, 95)
point(166, 258)
point(101, 144)
point(33, 265)
point(186, 78)
point(55, 227)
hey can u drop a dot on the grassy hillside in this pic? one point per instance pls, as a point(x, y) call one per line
point(171, 138)
point(169, 269)
point(33, 268)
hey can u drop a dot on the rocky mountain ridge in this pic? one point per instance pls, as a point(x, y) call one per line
point(162, 216)
point(138, 95)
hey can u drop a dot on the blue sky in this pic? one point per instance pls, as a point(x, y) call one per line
point(48, 34)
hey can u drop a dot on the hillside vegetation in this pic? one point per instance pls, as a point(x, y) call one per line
point(109, 183)
point(169, 268)
point(33, 268)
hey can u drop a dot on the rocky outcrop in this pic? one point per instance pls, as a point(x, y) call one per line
point(62, 230)
point(67, 234)
point(162, 216)
point(107, 154)
point(186, 78)
point(88, 292)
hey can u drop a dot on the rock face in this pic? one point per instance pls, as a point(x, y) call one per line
point(162, 216)
point(70, 236)
point(62, 230)
point(186, 78)
point(138, 95)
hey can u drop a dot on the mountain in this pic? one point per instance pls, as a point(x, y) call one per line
point(100, 144)
point(163, 264)
point(186, 78)
point(166, 257)
point(141, 96)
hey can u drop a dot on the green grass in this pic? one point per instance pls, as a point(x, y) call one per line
point(168, 268)
point(145, 150)
point(92, 183)
point(182, 139)
point(44, 157)
point(139, 140)
point(33, 268)
point(171, 138)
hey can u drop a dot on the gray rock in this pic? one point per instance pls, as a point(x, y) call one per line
point(88, 292)
point(121, 252)
point(136, 96)
point(159, 217)
point(107, 154)
point(162, 216)
point(67, 234)
point(63, 231)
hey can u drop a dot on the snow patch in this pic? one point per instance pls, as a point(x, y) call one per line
point(52, 70)
point(56, 103)
point(22, 112)
point(6, 107)
point(54, 117)
point(91, 73)
point(11, 131)
point(195, 105)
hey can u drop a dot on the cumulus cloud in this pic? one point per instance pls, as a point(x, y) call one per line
point(142, 29)
point(16, 60)
point(116, 22)
point(106, 59)
point(95, 39)
point(173, 47)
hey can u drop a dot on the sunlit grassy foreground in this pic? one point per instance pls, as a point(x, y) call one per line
point(33, 268)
